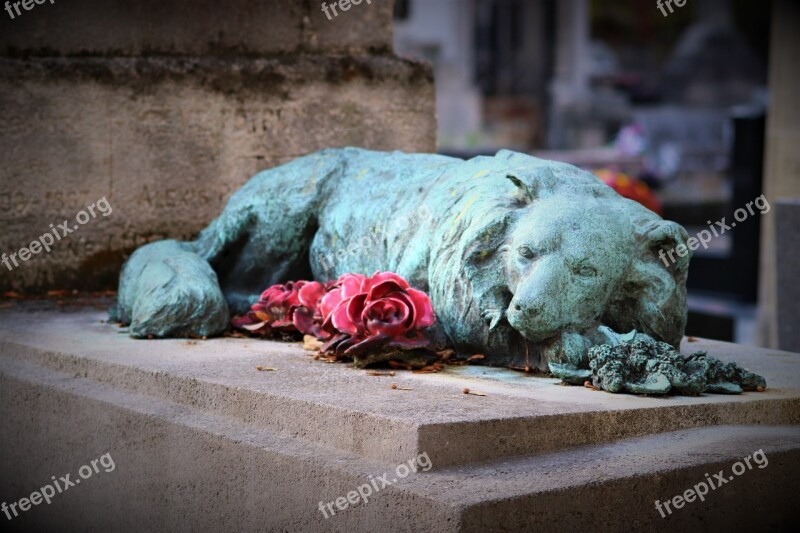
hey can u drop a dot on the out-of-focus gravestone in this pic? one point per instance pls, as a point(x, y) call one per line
point(787, 230)
point(166, 108)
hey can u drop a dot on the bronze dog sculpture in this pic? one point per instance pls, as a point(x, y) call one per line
point(525, 260)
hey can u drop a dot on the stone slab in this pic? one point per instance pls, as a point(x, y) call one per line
point(182, 468)
point(337, 406)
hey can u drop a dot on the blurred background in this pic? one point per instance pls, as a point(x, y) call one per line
point(668, 105)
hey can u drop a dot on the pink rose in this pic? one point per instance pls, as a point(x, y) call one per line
point(307, 317)
point(284, 308)
point(354, 313)
point(378, 312)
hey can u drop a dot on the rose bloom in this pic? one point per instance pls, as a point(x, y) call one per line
point(371, 313)
point(285, 308)
point(307, 317)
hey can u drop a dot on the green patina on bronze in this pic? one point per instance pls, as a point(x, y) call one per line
point(638, 364)
point(525, 260)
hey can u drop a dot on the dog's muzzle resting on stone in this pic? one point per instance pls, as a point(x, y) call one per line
point(524, 259)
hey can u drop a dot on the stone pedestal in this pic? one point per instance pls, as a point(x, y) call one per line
point(203, 440)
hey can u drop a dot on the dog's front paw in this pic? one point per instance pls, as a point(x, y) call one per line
point(493, 317)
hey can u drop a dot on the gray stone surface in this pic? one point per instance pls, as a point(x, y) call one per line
point(202, 440)
point(522, 414)
point(168, 140)
point(787, 250)
point(166, 108)
point(193, 27)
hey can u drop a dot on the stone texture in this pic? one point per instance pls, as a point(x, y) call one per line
point(193, 27)
point(787, 249)
point(166, 108)
point(781, 158)
point(202, 440)
point(167, 140)
point(523, 414)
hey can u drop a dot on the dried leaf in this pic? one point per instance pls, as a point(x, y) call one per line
point(58, 294)
point(265, 368)
point(430, 369)
point(311, 343)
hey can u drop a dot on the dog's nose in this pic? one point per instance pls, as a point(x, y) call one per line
point(532, 311)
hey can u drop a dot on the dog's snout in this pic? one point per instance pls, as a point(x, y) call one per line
point(529, 311)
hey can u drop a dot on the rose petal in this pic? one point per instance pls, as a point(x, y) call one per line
point(310, 294)
point(373, 343)
point(254, 327)
point(329, 302)
point(423, 310)
point(380, 277)
point(381, 289)
point(334, 343)
point(346, 321)
point(388, 317)
point(351, 284)
point(303, 320)
point(241, 321)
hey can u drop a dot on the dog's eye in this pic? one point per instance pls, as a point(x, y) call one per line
point(526, 252)
point(586, 271)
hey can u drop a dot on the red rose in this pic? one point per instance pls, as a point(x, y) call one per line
point(381, 311)
point(277, 308)
point(307, 317)
point(354, 313)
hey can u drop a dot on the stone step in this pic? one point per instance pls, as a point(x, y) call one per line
point(340, 407)
point(182, 468)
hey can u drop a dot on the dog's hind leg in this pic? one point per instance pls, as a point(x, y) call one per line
point(175, 289)
point(167, 290)
point(264, 234)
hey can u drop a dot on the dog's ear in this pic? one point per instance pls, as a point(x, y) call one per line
point(525, 193)
point(652, 295)
point(663, 237)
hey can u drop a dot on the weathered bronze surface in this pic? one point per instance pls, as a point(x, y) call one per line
point(524, 259)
